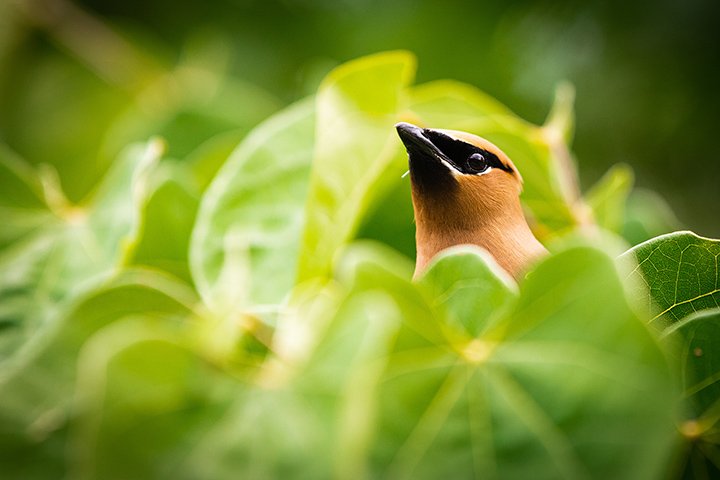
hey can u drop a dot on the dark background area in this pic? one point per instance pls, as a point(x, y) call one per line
point(646, 73)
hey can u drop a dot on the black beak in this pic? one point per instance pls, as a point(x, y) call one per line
point(416, 141)
point(430, 168)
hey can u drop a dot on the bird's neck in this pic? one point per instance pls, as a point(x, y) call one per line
point(506, 237)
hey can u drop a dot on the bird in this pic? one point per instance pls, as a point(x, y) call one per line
point(465, 190)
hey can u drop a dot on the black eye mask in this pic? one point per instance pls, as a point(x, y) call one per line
point(464, 157)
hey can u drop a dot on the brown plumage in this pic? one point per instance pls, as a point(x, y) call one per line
point(465, 190)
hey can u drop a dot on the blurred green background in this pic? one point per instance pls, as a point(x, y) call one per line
point(74, 78)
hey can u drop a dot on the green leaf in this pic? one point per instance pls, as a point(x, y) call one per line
point(647, 215)
point(74, 249)
point(19, 185)
point(694, 343)
point(190, 106)
point(143, 400)
point(65, 131)
point(357, 106)
point(453, 105)
point(391, 220)
point(299, 406)
point(206, 160)
point(22, 204)
point(695, 339)
point(561, 119)
point(38, 380)
point(607, 198)
point(676, 275)
point(245, 243)
point(473, 289)
point(163, 235)
point(276, 433)
point(571, 381)
point(676, 278)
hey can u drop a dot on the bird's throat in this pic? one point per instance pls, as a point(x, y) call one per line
point(513, 247)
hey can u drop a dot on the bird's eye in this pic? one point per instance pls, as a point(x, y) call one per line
point(477, 163)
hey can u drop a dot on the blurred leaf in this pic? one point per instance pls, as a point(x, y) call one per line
point(206, 160)
point(474, 290)
point(574, 401)
point(22, 206)
point(676, 275)
point(143, 399)
point(696, 342)
point(647, 215)
point(451, 105)
point(561, 119)
point(357, 106)
point(255, 203)
point(163, 235)
point(696, 338)
point(70, 125)
point(170, 211)
point(187, 107)
point(72, 250)
point(391, 220)
point(19, 185)
point(309, 419)
point(608, 197)
point(275, 433)
point(37, 382)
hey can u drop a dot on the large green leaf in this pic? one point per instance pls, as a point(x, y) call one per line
point(676, 274)
point(37, 383)
point(571, 382)
point(169, 213)
point(44, 271)
point(357, 106)
point(74, 248)
point(307, 417)
point(251, 216)
point(473, 289)
point(450, 104)
point(676, 278)
point(143, 399)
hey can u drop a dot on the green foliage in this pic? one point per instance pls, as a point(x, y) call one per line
point(357, 106)
point(214, 312)
point(250, 220)
point(608, 197)
point(680, 271)
point(534, 384)
point(677, 280)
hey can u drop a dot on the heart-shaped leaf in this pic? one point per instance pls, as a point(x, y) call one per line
point(676, 278)
point(357, 106)
point(571, 381)
point(677, 274)
point(254, 207)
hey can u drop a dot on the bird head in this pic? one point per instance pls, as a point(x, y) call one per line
point(459, 178)
point(465, 190)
